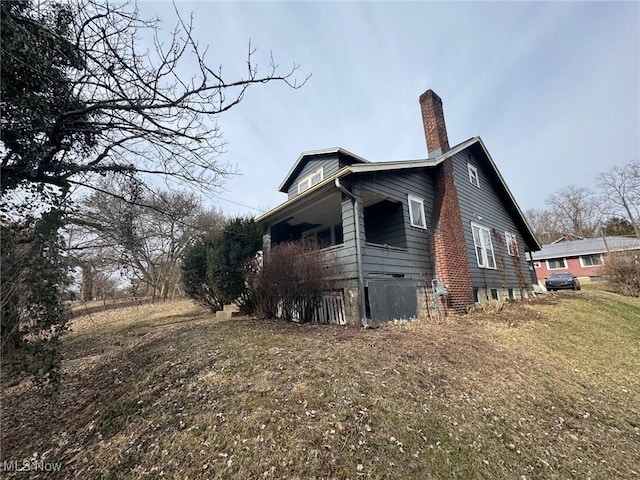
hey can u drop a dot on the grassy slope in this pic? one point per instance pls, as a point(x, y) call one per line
point(548, 389)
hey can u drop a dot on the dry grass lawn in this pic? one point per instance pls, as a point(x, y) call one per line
point(544, 389)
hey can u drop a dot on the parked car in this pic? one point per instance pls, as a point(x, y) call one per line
point(558, 281)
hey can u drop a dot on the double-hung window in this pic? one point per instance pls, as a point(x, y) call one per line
point(512, 244)
point(416, 212)
point(310, 180)
point(483, 246)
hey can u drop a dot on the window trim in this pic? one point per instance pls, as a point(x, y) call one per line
point(511, 238)
point(413, 198)
point(307, 179)
point(473, 175)
point(592, 255)
point(549, 267)
point(484, 261)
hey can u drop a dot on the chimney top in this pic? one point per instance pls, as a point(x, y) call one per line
point(435, 130)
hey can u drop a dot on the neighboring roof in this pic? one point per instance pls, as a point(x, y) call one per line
point(304, 156)
point(587, 246)
point(364, 166)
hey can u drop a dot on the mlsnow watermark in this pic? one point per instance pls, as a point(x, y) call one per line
point(30, 466)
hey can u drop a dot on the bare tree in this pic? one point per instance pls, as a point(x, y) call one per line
point(143, 234)
point(113, 106)
point(620, 187)
point(577, 210)
point(545, 225)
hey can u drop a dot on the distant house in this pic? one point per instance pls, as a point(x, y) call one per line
point(404, 229)
point(584, 257)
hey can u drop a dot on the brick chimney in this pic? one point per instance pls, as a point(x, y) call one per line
point(449, 248)
point(435, 129)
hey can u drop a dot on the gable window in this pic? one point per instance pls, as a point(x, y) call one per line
point(310, 180)
point(591, 260)
point(483, 246)
point(556, 263)
point(416, 212)
point(512, 244)
point(474, 179)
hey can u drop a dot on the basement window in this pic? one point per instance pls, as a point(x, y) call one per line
point(474, 179)
point(494, 294)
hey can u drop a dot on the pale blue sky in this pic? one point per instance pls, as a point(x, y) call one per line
point(553, 89)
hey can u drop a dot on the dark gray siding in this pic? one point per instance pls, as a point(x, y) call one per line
point(485, 208)
point(414, 261)
point(346, 254)
point(330, 166)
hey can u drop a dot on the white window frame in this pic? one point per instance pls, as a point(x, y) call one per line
point(474, 177)
point(512, 240)
point(582, 264)
point(413, 198)
point(307, 180)
point(564, 261)
point(482, 248)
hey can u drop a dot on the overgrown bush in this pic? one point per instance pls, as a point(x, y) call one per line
point(622, 272)
point(291, 280)
point(213, 267)
point(33, 312)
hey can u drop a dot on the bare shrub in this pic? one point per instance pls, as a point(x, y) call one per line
point(291, 281)
point(622, 272)
point(491, 306)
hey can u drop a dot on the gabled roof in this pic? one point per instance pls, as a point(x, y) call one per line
point(360, 166)
point(348, 157)
point(587, 246)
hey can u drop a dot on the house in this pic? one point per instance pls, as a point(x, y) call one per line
point(584, 257)
point(441, 232)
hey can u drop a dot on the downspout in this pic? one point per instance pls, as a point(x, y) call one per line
point(356, 219)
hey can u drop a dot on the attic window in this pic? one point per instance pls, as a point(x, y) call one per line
point(310, 180)
point(474, 179)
